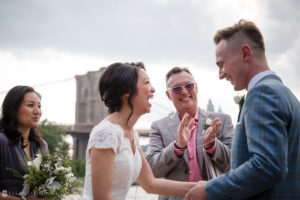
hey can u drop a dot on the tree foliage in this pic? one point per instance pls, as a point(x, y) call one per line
point(54, 136)
point(78, 167)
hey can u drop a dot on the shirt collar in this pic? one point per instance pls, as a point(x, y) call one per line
point(258, 77)
point(196, 116)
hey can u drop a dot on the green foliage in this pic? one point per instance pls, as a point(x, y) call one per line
point(78, 167)
point(54, 136)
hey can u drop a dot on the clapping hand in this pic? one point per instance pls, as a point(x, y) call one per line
point(184, 130)
point(211, 133)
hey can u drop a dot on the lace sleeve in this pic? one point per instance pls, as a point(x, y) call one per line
point(104, 138)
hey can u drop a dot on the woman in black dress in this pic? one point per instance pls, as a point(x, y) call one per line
point(19, 138)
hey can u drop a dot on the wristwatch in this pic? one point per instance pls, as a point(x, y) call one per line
point(180, 148)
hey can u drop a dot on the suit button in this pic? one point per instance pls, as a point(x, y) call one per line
point(190, 171)
point(191, 156)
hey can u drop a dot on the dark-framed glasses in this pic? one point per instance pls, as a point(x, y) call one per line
point(178, 89)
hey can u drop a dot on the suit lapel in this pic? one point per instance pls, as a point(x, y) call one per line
point(241, 104)
point(172, 125)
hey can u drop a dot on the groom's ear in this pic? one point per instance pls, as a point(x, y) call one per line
point(168, 95)
point(246, 51)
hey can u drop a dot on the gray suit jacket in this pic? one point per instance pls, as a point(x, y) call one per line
point(165, 163)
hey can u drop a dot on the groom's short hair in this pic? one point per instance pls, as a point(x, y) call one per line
point(242, 32)
point(176, 70)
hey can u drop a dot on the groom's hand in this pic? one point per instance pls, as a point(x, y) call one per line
point(197, 192)
point(184, 130)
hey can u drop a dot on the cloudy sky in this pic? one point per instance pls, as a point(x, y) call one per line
point(46, 43)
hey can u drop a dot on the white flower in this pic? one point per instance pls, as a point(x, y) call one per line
point(4, 193)
point(29, 163)
point(207, 123)
point(37, 162)
point(238, 98)
point(69, 169)
point(25, 191)
point(51, 184)
point(59, 168)
point(47, 166)
point(55, 185)
point(69, 174)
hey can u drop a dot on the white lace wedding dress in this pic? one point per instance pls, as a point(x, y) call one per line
point(127, 166)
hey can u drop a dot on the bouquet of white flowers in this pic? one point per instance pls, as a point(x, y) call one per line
point(49, 176)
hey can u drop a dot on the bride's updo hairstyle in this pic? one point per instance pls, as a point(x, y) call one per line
point(116, 80)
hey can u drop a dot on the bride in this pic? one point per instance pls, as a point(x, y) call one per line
point(114, 158)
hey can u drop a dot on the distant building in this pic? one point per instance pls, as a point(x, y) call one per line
point(220, 109)
point(210, 106)
point(90, 110)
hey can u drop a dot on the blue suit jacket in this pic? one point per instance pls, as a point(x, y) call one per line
point(266, 147)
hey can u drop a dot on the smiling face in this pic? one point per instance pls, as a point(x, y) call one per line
point(231, 66)
point(144, 93)
point(29, 112)
point(186, 100)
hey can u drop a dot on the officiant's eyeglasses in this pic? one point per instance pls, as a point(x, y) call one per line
point(178, 89)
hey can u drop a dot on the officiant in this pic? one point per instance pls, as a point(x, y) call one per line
point(182, 156)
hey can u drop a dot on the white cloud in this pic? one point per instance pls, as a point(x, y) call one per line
point(46, 41)
point(52, 73)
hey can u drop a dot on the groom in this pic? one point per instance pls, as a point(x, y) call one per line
point(266, 148)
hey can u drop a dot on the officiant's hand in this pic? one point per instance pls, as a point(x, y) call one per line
point(184, 130)
point(210, 134)
point(197, 192)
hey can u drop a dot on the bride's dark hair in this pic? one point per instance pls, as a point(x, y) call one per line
point(118, 79)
